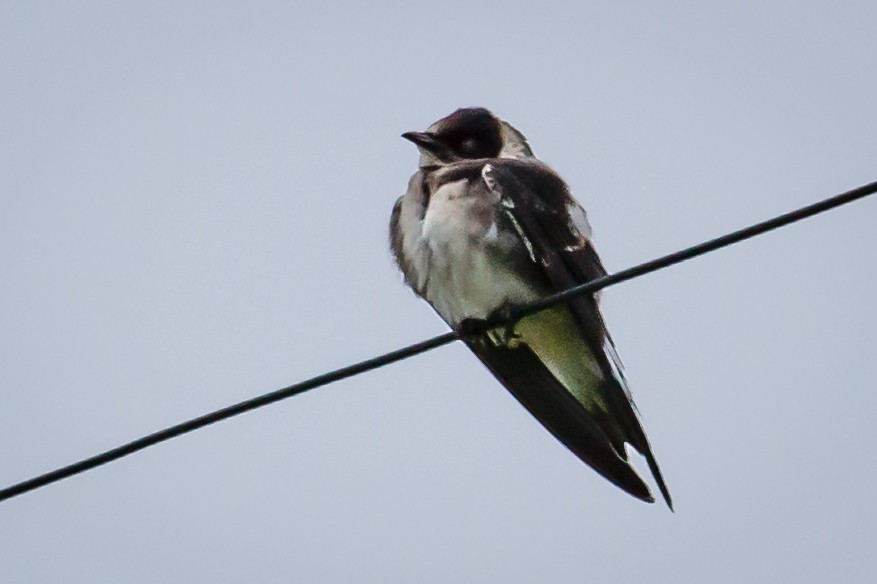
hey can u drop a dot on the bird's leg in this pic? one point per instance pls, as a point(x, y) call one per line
point(504, 332)
point(470, 327)
point(498, 327)
point(474, 330)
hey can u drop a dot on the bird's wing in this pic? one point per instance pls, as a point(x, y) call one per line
point(561, 363)
point(405, 230)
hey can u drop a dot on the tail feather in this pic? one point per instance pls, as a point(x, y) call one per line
point(525, 376)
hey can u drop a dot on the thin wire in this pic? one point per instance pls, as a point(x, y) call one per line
point(435, 342)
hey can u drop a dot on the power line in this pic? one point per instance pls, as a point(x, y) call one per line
point(435, 342)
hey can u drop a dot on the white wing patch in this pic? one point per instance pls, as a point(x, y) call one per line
point(578, 219)
point(508, 205)
point(489, 179)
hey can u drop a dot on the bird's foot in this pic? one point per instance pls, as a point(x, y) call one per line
point(472, 327)
point(498, 327)
point(504, 332)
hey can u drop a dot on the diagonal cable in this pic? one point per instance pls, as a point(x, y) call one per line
point(435, 342)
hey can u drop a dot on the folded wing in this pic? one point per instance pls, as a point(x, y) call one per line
point(561, 363)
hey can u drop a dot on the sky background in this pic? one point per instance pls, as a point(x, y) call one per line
point(195, 198)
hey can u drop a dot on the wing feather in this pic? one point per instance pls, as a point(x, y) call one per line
point(539, 205)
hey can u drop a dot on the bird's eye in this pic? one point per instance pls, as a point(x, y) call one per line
point(469, 146)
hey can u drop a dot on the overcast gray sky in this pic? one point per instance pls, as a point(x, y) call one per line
point(195, 198)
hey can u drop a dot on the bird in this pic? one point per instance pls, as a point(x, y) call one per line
point(485, 226)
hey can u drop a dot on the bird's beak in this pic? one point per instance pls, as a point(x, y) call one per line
point(430, 146)
point(425, 140)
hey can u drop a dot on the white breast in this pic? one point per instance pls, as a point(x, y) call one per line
point(467, 257)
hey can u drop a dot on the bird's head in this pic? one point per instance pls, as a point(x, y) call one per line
point(468, 134)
